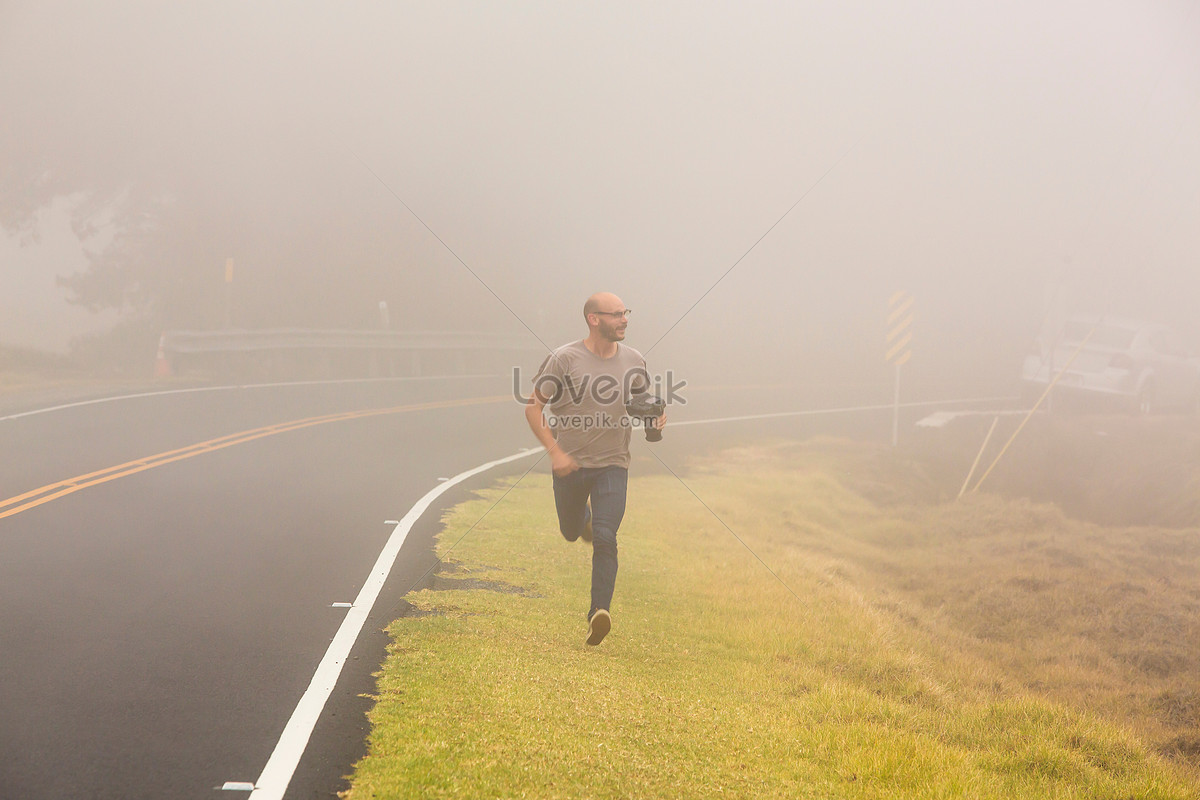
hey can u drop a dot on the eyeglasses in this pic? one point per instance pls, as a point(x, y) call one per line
point(624, 314)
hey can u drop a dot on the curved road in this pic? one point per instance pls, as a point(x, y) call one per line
point(158, 629)
point(159, 622)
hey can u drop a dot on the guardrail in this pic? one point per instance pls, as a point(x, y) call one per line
point(301, 352)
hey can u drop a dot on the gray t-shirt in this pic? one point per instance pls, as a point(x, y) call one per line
point(587, 401)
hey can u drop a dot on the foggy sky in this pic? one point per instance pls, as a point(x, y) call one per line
point(987, 157)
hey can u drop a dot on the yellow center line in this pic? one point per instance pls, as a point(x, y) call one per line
point(53, 491)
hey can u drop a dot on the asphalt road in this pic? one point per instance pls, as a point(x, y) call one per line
point(157, 630)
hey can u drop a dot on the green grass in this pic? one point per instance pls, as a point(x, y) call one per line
point(716, 681)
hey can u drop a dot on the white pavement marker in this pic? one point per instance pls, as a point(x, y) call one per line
point(940, 419)
point(276, 775)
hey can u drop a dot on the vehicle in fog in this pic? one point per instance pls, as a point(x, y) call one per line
point(1135, 365)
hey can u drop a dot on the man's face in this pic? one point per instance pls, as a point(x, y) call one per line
point(612, 322)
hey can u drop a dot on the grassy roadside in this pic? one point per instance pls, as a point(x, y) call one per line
point(717, 681)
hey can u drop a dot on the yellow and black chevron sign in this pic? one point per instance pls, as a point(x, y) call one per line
point(899, 328)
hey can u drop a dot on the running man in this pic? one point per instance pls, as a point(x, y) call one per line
point(586, 384)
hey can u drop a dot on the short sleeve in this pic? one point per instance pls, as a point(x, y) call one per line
point(548, 382)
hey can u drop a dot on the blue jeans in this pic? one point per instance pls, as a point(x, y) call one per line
point(606, 486)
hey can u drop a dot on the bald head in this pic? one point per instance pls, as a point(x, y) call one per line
point(602, 301)
point(605, 315)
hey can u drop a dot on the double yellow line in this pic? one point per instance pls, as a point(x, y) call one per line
point(53, 491)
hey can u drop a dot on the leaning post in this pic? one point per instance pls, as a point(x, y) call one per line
point(899, 350)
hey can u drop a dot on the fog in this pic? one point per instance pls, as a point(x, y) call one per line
point(1001, 162)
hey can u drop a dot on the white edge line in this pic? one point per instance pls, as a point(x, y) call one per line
point(196, 389)
point(99, 400)
point(277, 774)
point(848, 409)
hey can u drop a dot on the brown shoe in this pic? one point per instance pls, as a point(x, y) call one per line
point(598, 626)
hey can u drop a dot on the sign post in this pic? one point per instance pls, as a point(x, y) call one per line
point(229, 292)
point(899, 339)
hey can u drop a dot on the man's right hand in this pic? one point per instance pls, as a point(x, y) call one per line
point(562, 464)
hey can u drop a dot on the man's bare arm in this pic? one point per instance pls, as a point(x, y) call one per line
point(560, 462)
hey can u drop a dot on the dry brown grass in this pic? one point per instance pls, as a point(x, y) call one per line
point(1104, 618)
